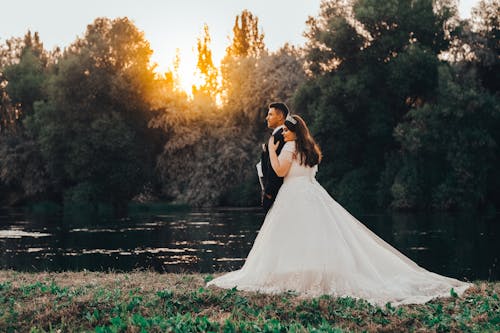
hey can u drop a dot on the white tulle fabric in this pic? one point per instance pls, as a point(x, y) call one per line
point(311, 245)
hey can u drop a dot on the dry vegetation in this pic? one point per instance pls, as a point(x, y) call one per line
point(152, 302)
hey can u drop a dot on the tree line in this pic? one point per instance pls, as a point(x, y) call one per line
point(402, 96)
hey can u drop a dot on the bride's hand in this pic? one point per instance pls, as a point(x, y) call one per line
point(273, 146)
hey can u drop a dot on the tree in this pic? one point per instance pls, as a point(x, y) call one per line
point(8, 113)
point(202, 157)
point(252, 78)
point(254, 84)
point(26, 82)
point(93, 129)
point(486, 21)
point(450, 148)
point(476, 44)
point(24, 68)
point(223, 143)
point(247, 39)
point(23, 71)
point(240, 61)
point(369, 64)
point(208, 89)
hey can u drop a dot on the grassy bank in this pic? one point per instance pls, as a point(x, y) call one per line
point(153, 302)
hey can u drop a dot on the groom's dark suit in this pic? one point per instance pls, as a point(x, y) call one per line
point(271, 181)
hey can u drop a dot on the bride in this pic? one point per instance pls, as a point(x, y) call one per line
point(311, 245)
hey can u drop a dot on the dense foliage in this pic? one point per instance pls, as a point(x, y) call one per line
point(402, 96)
point(399, 125)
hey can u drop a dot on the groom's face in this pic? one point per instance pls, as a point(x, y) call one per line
point(274, 118)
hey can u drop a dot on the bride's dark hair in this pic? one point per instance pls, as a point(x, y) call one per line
point(307, 149)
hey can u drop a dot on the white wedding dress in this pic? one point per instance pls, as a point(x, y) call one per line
point(311, 245)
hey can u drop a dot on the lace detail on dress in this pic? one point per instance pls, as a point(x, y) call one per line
point(288, 152)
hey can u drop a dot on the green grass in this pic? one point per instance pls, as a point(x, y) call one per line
point(153, 302)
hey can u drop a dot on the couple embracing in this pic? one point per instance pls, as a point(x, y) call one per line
point(310, 245)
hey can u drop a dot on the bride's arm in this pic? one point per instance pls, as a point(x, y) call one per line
point(281, 164)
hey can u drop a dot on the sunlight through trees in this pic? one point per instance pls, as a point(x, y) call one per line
point(402, 97)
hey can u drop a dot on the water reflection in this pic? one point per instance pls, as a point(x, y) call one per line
point(18, 233)
point(458, 245)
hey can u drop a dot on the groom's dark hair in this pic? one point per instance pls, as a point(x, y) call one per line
point(280, 106)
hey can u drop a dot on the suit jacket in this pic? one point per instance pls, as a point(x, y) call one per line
point(271, 181)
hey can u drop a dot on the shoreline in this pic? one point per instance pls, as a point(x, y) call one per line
point(158, 302)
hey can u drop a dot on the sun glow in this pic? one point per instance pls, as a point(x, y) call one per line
point(183, 66)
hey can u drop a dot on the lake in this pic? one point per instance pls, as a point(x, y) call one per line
point(464, 245)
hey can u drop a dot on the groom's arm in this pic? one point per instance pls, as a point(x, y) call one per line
point(273, 182)
point(281, 139)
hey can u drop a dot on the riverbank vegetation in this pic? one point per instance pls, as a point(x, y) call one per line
point(153, 302)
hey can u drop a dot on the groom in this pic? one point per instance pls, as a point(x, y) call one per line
point(269, 181)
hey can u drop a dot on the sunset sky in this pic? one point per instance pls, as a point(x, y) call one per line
point(167, 24)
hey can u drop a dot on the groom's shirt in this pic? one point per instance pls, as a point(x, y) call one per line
point(277, 129)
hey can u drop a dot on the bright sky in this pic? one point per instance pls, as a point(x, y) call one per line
point(167, 24)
